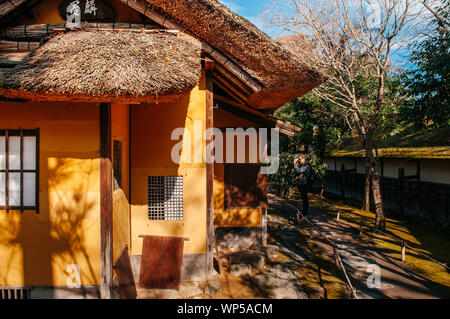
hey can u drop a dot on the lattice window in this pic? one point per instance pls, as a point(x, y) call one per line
point(19, 170)
point(165, 197)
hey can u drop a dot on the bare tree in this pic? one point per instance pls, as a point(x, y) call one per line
point(351, 41)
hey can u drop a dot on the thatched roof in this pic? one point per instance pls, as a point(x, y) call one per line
point(107, 63)
point(439, 152)
point(260, 56)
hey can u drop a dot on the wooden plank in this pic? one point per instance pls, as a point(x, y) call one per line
point(106, 199)
point(125, 276)
point(152, 252)
point(209, 176)
point(171, 263)
point(161, 262)
point(264, 227)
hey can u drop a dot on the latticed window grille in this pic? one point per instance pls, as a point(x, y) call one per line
point(165, 197)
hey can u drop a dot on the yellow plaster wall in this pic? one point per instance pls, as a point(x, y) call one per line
point(121, 206)
point(151, 156)
point(37, 249)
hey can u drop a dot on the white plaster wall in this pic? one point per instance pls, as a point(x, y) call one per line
point(434, 171)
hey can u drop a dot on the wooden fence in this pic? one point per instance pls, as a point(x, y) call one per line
point(405, 194)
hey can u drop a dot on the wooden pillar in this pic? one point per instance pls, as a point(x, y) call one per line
point(209, 67)
point(264, 227)
point(106, 202)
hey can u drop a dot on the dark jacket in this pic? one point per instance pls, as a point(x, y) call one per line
point(303, 172)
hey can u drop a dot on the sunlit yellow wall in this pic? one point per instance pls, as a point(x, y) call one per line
point(121, 208)
point(37, 249)
point(47, 12)
point(151, 156)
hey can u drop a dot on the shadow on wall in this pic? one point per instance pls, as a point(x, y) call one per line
point(74, 216)
point(36, 249)
point(228, 217)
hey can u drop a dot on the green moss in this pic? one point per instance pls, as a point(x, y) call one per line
point(439, 152)
point(419, 236)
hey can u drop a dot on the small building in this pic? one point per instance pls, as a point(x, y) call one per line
point(414, 180)
point(90, 118)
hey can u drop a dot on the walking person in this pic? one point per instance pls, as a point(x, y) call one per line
point(303, 171)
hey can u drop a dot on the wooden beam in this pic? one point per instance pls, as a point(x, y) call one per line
point(233, 79)
point(106, 203)
point(209, 176)
point(58, 97)
point(142, 7)
point(228, 91)
point(18, 45)
point(230, 87)
point(38, 31)
point(284, 127)
point(9, 5)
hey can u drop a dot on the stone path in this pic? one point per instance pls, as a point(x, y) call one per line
point(375, 275)
point(272, 277)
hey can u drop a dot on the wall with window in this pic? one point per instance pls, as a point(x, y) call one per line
point(158, 185)
point(246, 215)
point(39, 244)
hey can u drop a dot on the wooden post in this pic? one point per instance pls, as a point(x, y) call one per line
point(403, 251)
point(338, 216)
point(209, 67)
point(264, 227)
point(360, 227)
point(401, 177)
point(311, 232)
point(106, 202)
point(342, 184)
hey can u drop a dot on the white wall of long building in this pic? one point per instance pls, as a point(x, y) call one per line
point(434, 171)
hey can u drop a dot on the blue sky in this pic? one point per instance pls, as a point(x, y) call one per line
point(249, 9)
